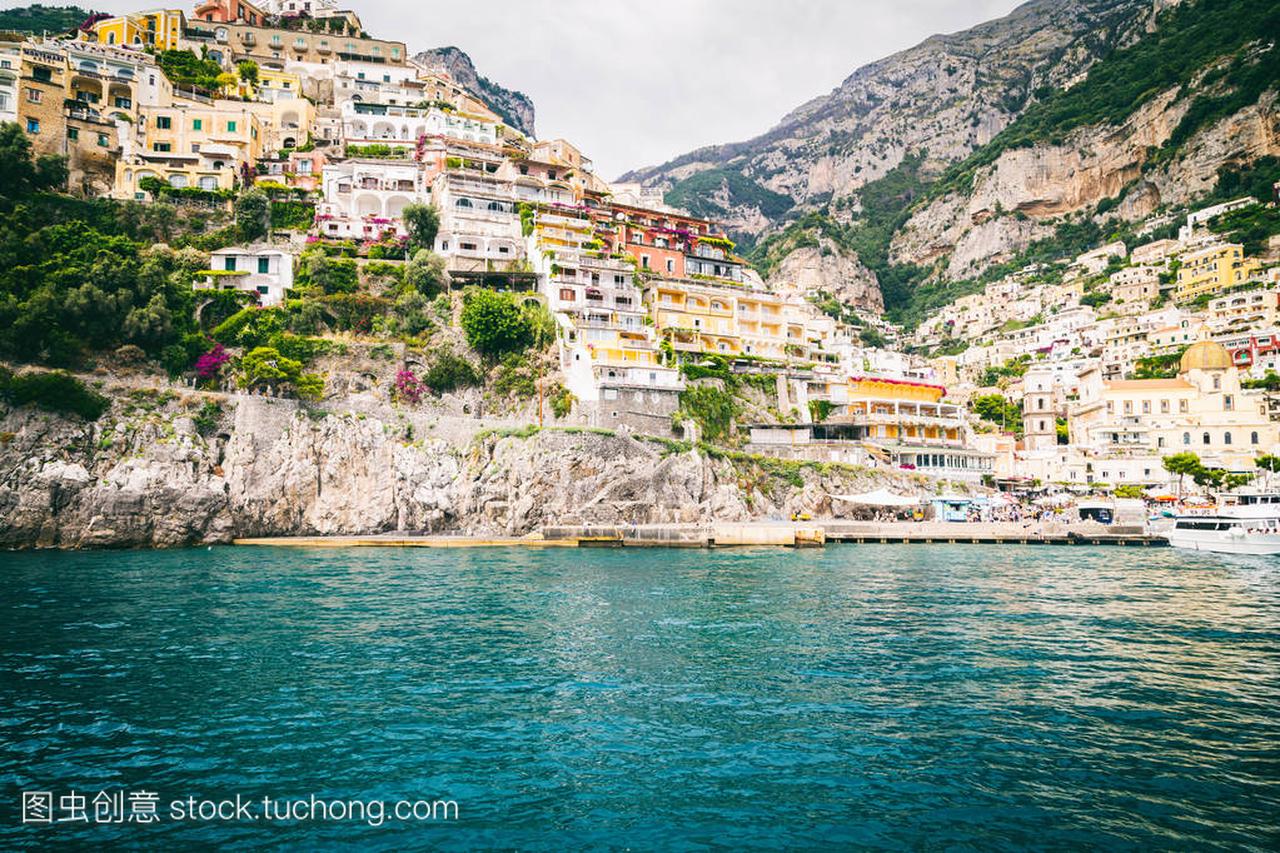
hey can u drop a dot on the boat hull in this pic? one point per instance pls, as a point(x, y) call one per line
point(1223, 543)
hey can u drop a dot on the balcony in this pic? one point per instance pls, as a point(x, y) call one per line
point(896, 420)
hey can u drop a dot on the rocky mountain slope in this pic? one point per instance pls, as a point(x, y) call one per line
point(1017, 139)
point(155, 471)
point(516, 108)
point(948, 95)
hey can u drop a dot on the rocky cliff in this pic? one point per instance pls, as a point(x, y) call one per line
point(154, 473)
point(516, 108)
point(1011, 202)
point(827, 267)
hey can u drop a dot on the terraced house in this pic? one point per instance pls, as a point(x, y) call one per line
point(78, 104)
point(277, 47)
point(1214, 269)
point(209, 146)
point(160, 29)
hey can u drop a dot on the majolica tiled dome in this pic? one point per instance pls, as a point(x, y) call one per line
point(1206, 355)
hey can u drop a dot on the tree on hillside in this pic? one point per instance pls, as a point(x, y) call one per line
point(1268, 463)
point(253, 214)
point(19, 174)
point(247, 71)
point(426, 273)
point(494, 324)
point(265, 367)
point(994, 408)
point(1182, 464)
point(422, 222)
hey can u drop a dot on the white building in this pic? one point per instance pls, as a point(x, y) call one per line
point(479, 226)
point(364, 123)
point(10, 67)
point(264, 270)
point(1202, 216)
point(364, 199)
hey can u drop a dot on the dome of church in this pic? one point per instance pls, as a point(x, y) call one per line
point(1206, 355)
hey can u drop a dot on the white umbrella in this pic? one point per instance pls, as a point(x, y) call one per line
point(880, 497)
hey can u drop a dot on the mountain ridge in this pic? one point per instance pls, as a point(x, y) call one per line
point(516, 108)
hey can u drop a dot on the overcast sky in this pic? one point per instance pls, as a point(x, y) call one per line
point(637, 83)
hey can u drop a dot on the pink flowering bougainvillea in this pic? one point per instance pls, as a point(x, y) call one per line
point(409, 387)
point(209, 364)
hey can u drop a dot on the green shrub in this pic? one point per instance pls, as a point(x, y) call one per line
point(562, 401)
point(292, 215)
point(820, 410)
point(56, 391)
point(208, 418)
point(516, 378)
point(449, 372)
point(712, 409)
point(495, 324)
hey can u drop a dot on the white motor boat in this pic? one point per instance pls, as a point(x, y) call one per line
point(1244, 524)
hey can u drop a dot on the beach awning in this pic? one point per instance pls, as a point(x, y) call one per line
point(880, 497)
point(1054, 500)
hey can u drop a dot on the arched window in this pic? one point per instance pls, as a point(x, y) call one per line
point(463, 202)
point(495, 205)
point(1205, 438)
point(1226, 438)
point(1253, 438)
point(1186, 438)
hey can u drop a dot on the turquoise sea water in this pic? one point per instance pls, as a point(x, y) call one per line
point(881, 696)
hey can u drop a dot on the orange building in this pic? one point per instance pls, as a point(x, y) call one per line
point(230, 12)
point(671, 244)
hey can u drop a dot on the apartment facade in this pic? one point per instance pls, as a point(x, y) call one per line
point(211, 146)
point(1213, 269)
point(364, 199)
point(159, 29)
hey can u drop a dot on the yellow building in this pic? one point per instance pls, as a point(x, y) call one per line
point(903, 411)
point(1213, 269)
point(729, 321)
point(192, 145)
point(284, 123)
point(161, 29)
point(272, 86)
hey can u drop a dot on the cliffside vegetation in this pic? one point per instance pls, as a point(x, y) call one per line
point(713, 192)
point(1216, 57)
point(42, 19)
point(1188, 39)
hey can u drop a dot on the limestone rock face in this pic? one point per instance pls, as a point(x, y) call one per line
point(1011, 198)
point(150, 479)
point(67, 484)
point(828, 268)
point(516, 108)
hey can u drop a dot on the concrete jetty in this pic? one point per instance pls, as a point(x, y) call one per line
point(749, 534)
